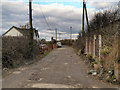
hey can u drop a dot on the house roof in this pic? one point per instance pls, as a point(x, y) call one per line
point(24, 31)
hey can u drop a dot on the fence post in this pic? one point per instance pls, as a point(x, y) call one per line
point(100, 45)
point(90, 46)
point(94, 46)
point(86, 46)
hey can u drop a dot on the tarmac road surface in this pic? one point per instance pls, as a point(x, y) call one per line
point(61, 68)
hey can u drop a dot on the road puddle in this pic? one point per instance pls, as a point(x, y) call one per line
point(35, 79)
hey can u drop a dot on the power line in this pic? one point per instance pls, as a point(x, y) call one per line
point(44, 16)
point(46, 19)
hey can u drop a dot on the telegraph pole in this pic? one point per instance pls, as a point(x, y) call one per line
point(71, 33)
point(56, 33)
point(86, 17)
point(31, 29)
point(83, 18)
point(118, 40)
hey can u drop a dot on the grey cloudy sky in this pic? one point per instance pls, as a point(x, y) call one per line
point(60, 15)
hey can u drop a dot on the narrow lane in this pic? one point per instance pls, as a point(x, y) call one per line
point(61, 68)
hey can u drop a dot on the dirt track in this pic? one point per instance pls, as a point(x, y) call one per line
point(61, 68)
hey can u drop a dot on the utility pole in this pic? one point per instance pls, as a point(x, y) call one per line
point(83, 18)
point(71, 33)
point(85, 13)
point(118, 40)
point(31, 29)
point(86, 17)
point(56, 33)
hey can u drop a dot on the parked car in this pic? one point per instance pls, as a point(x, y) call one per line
point(43, 47)
point(59, 44)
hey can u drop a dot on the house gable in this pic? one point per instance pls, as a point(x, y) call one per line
point(13, 32)
point(17, 32)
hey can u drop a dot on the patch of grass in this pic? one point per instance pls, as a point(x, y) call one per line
point(39, 57)
point(46, 53)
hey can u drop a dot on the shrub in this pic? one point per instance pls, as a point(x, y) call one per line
point(105, 50)
point(15, 51)
point(92, 64)
point(118, 60)
point(67, 42)
point(97, 25)
point(102, 62)
point(89, 56)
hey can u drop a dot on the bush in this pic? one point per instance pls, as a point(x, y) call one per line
point(89, 56)
point(97, 25)
point(67, 42)
point(92, 64)
point(105, 51)
point(15, 51)
point(118, 60)
point(101, 62)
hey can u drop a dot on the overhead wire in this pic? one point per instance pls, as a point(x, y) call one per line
point(44, 16)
